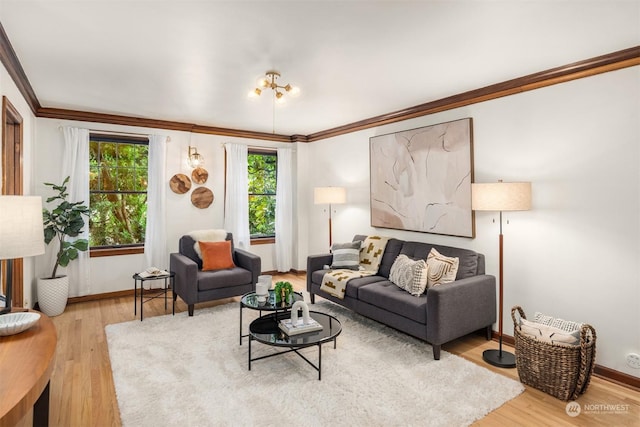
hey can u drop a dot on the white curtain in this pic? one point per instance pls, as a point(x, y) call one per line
point(155, 238)
point(75, 164)
point(236, 200)
point(284, 211)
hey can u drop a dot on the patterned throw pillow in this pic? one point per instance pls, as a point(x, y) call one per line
point(409, 275)
point(346, 255)
point(442, 269)
point(548, 334)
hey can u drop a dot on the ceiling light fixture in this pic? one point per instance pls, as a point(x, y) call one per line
point(270, 81)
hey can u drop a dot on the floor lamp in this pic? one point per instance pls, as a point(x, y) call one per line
point(501, 196)
point(330, 196)
point(21, 234)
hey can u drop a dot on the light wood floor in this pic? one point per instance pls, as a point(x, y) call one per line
point(83, 394)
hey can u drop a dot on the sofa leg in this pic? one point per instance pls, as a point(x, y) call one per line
point(313, 298)
point(489, 332)
point(190, 309)
point(436, 351)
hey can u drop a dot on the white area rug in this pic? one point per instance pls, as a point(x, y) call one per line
point(177, 371)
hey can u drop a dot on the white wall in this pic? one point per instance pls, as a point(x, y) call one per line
point(108, 274)
point(10, 90)
point(576, 254)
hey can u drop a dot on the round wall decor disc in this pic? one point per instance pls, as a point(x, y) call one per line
point(202, 197)
point(199, 175)
point(180, 183)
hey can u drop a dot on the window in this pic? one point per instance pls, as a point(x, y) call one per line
point(117, 191)
point(262, 170)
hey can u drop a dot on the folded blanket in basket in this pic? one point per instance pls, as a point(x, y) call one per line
point(549, 334)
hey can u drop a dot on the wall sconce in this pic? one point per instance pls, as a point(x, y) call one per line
point(195, 158)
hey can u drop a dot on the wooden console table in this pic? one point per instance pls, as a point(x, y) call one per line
point(26, 363)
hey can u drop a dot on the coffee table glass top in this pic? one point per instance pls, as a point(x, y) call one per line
point(250, 300)
point(265, 330)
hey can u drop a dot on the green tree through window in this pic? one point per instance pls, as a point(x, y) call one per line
point(118, 190)
point(262, 169)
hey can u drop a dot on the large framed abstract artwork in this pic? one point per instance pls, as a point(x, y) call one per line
point(421, 179)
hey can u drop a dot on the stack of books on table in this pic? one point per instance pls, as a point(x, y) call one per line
point(299, 328)
point(152, 272)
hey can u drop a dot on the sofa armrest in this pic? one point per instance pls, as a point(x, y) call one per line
point(249, 261)
point(461, 307)
point(314, 263)
point(185, 282)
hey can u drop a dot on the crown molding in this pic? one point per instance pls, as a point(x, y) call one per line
point(10, 61)
point(601, 64)
point(577, 70)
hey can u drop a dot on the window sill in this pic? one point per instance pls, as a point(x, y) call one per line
point(263, 241)
point(116, 251)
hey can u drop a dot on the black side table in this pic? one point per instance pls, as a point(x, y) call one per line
point(168, 284)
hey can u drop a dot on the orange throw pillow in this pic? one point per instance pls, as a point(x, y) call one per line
point(216, 255)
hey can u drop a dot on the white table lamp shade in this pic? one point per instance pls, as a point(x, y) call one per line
point(21, 227)
point(501, 196)
point(329, 195)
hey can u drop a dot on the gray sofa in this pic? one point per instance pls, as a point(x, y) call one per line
point(194, 285)
point(443, 313)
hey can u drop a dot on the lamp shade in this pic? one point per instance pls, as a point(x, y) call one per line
point(21, 226)
point(501, 196)
point(329, 195)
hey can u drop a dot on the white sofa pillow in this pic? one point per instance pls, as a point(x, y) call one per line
point(410, 275)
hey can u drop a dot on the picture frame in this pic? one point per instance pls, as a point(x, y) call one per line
point(420, 179)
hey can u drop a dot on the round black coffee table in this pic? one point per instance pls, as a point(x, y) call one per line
point(266, 331)
point(250, 300)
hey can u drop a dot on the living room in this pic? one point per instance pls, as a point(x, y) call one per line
point(574, 254)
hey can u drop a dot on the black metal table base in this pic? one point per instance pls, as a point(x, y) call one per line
point(168, 286)
point(295, 350)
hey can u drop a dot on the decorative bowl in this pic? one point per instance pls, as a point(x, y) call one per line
point(14, 323)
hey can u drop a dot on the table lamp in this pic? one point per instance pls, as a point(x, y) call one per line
point(21, 234)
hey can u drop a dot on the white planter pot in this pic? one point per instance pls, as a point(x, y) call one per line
point(53, 294)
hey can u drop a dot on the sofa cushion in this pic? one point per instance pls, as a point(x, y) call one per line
point(387, 296)
point(235, 276)
point(442, 269)
point(391, 252)
point(468, 259)
point(346, 255)
point(216, 255)
point(410, 275)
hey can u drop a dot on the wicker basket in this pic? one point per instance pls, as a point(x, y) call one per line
point(563, 371)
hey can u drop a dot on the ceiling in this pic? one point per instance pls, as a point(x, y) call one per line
point(195, 61)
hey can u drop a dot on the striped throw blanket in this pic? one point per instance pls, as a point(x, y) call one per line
point(335, 282)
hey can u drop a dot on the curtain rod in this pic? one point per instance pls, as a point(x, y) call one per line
point(111, 132)
point(262, 147)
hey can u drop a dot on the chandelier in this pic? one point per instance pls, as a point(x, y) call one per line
point(270, 81)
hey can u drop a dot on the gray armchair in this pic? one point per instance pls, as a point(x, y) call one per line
point(194, 285)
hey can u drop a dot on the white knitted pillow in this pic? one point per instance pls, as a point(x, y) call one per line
point(409, 275)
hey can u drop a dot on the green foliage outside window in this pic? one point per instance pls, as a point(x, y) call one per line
point(262, 168)
point(118, 192)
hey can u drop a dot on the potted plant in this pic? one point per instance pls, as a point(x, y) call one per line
point(63, 222)
point(283, 291)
